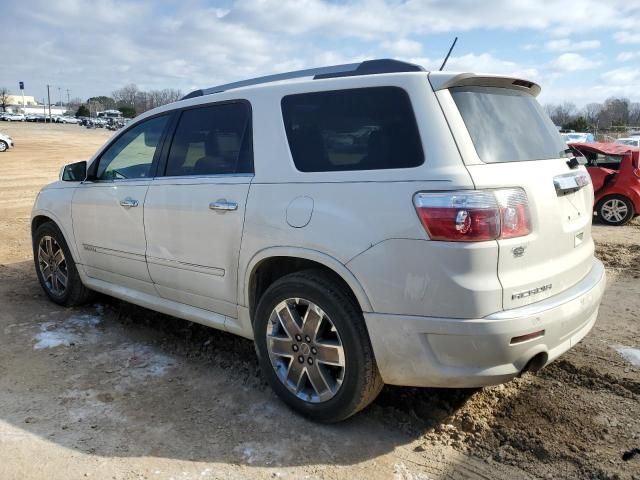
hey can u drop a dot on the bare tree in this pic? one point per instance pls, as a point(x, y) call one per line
point(157, 98)
point(634, 114)
point(141, 102)
point(617, 110)
point(126, 96)
point(591, 113)
point(4, 98)
point(74, 104)
point(561, 114)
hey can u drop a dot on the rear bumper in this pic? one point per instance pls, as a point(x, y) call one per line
point(441, 352)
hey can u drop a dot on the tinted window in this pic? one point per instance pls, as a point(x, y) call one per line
point(359, 129)
point(131, 155)
point(212, 140)
point(507, 126)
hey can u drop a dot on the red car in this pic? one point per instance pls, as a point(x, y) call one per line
point(615, 174)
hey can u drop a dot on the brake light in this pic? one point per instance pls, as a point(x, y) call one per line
point(475, 215)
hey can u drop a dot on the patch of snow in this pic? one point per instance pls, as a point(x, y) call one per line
point(76, 329)
point(631, 355)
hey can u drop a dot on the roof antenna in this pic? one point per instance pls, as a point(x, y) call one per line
point(447, 57)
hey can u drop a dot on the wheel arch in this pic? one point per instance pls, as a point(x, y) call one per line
point(41, 217)
point(273, 263)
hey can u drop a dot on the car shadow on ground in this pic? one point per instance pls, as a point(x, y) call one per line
point(114, 379)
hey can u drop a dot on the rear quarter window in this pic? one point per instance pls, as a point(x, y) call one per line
point(356, 129)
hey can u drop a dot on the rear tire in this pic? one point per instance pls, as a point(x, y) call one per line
point(56, 270)
point(330, 328)
point(615, 210)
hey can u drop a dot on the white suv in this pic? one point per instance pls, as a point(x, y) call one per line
point(364, 224)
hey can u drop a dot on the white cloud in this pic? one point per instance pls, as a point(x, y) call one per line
point(626, 37)
point(572, 62)
point(626, 56)
point(189, 44)
point(623, 76)
point(565, 44)
point(371, 18)
point(487, 63)
point(403, 47)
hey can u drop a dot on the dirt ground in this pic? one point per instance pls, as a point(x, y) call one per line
point(115, 391)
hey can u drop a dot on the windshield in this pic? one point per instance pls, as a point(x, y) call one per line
point(507, 126)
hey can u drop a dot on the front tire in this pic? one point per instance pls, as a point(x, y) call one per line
point(3, 146)
point(56, 270)
point(314, 348)
point(615, 210)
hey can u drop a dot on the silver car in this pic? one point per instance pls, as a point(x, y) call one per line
point(6, 142)
point(364, 224)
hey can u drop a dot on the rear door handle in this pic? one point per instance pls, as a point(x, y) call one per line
point(223, 205)
point(128, 202)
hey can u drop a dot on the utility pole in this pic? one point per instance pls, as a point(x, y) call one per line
point(60, 95)
point(49, 102)
point(68, 101)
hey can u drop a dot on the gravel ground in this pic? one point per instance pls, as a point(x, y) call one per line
point(115, 391)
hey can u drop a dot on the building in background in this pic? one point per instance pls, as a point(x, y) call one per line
point(31, 106)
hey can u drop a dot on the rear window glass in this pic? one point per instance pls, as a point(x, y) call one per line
point(356, 129)
point(507, 125)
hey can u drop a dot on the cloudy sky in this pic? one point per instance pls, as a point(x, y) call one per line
point(578, 50)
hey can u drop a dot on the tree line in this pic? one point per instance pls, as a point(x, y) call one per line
point(614, 114)
point(129, 100)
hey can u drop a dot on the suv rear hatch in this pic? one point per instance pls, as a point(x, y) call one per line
point(507, 140)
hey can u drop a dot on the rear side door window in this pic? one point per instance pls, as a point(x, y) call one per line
point(356, 129)
point(212, 140)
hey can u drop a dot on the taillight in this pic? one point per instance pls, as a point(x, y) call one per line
point(474, 215)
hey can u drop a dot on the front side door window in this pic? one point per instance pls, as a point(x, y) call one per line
point(131, 155)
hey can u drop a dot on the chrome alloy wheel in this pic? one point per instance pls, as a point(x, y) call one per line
point(614, 210)
point(305, 350)
point(53, 265)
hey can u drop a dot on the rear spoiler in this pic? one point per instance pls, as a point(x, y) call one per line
point(444, 80)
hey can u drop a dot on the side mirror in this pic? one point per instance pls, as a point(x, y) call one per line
point(151, 139)
point(74, 172)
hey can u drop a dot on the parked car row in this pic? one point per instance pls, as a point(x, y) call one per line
point(32, 117)
point(12, 117)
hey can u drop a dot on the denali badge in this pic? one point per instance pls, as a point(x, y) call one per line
point(533, 291)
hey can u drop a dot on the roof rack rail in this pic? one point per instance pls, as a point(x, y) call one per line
point(368, 67)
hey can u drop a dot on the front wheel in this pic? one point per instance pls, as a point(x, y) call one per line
point(314, 348)
point(615, 210)
point(3, 146)
point(56, 269)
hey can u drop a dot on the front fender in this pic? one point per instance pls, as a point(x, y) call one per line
point(56, 203)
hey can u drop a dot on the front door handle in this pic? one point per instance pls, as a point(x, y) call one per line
point(223, 205)
point(128, 202)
